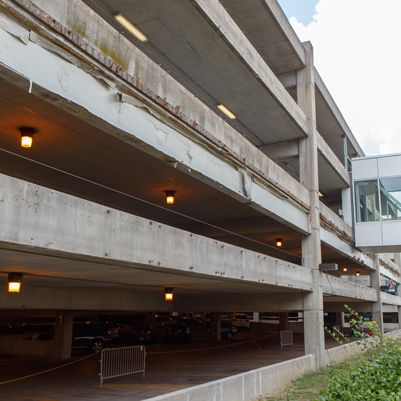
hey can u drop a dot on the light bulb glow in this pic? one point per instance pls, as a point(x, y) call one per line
point(26, 141)
point(14, 287)
point(130, 27)
point(227, 112)
point(279, 242)
point(168, 294)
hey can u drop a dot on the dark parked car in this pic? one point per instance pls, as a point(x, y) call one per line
point(162, 321)
point(178, 332)
point(143, 333)
point(88, 336)
point(193, 324)
point(228, 330)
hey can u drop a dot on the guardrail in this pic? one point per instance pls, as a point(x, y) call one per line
point(286, 338)
point(122, 361)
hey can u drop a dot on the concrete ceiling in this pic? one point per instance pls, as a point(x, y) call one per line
point(185, 44)
point(67, 144)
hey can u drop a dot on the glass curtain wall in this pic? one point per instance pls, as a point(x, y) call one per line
point(369, 206)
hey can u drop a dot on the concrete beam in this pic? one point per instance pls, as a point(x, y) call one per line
point(331, 239)
point(337, 114)
point(282, 150)
point(343, 288)
point(140, 300)
point(333, 160)
point(148, 126)
point(223, 22)
point(50, 222)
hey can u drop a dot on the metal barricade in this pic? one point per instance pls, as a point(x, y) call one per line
point(122, 361)
point(286, 338)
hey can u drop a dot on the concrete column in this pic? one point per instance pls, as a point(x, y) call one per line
point(63, 335)
point(377, 310)
point(311, 250)
point(345, 149)
point(215, 326)
point(283, 322)
point(346, 205)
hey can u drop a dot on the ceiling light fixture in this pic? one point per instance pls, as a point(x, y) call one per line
point(170, 196)
point(168, 294)
point(344, 269)
point(227, 112)
point(14, 282)
point(357, 273)
point(130, 27)
point(279, 242)
point(27, 136)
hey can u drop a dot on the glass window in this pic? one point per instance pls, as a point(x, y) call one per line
point(390, 198)
point(367, 201)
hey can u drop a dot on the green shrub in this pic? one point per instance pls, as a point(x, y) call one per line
point(373, 375)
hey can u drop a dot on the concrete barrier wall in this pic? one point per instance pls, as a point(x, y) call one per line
point(11, 346)
point(247, 385)
point(255, 383)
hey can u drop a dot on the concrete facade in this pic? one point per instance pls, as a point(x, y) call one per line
point(119, 122)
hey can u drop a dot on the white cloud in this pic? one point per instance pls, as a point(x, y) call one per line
point(357, 52)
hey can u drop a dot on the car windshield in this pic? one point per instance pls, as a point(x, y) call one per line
point(241, 317)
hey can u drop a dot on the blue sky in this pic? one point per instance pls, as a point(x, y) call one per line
point(303, 10)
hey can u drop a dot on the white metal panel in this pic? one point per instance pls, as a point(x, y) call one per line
point(364, 169)
point(368, 234)
point(389, 166)
point(391, 232)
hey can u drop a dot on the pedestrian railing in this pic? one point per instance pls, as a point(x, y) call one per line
point(122, 361)
point(286, 338)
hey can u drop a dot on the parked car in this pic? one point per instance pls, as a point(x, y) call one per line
point(240, 320)
point(228, 330)
point(29, 331)
point(161, 320)
point(88, 336)
point(193, 324)
point(143, 333)
point(187, 315)
point(178, 332)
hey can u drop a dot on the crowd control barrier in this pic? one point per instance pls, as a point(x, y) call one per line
point(122, 361)
point(286, 338)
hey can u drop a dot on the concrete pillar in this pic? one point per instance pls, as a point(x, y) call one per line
point(345, 150)
point(63, 335)
point(215, 326)
point(283, 322)
point(346, 201)
point(311, 250)
point(377, 310)
point(256, 317)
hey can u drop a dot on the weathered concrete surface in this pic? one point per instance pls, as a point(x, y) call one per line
point(12, 346)
point(327, 104)
point(46, 221)
point(130, 297)
point(390, 299)
point(339, 287)
point(247, 385)
point(333, 160)
point(156, 131)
